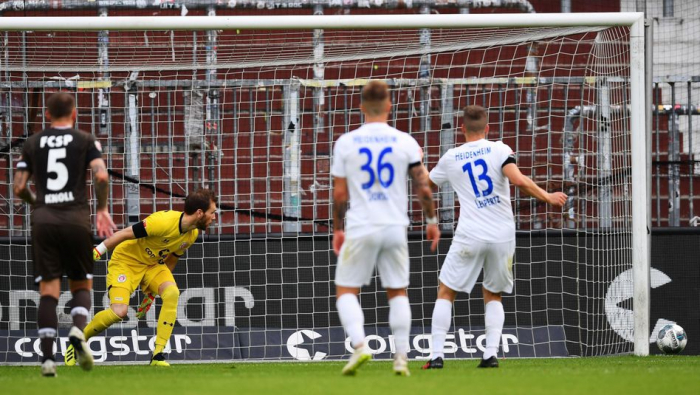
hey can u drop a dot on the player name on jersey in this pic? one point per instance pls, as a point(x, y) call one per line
point(489, 201)
point(61, 197)
point(374, 139)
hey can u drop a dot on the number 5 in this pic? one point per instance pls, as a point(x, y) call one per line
point(54, 166)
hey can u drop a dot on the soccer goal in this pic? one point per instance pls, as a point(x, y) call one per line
point(251, 105)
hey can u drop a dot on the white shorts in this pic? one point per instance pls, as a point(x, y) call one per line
point(465, 260)
point(387, 249)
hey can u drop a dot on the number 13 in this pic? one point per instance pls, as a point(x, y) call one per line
point(483, 176)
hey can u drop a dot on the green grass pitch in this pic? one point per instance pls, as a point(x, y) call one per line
point(604, 375)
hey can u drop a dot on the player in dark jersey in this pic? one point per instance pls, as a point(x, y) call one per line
point(57, 159)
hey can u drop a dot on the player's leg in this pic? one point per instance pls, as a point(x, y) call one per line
point(100, 322)
point(160, 280)
point(400, 323)
point(459, 273)
point(76, 258)
point(48, 322)
point(47, 272)
point(494, 319)
point(354, 269)
point(120, 285)
point(78, 263)
point(442, 316)
point(351, 316)
point(122, 280)
point(81, 302)
point(394, 272)
point(116, 312)
point(498, 278)
point(353, 321)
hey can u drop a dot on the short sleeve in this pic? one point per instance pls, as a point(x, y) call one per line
point(415, 152)
point(94, 150)
point(439, 173)
point(155, 225)
point(507, 155)
point(338, 166)
point(25, 162)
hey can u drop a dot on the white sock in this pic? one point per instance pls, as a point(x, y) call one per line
point(442, 315)
point(352, 318)
point(494, 327)
point(400, 322)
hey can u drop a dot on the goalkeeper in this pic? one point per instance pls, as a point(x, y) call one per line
point(145, 254)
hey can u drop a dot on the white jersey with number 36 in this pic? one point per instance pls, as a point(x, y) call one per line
point(475, 171)
point(374, 160)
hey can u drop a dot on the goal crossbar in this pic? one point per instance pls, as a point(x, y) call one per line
point(283, 22)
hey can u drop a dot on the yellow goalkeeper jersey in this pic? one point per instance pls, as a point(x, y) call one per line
point(157, 236)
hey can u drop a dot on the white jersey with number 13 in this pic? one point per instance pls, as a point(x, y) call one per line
point(475, 171)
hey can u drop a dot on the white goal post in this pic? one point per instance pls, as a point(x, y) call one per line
point(252, 103)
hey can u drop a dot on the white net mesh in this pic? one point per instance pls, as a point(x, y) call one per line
point(242, 49)
point(254, 115)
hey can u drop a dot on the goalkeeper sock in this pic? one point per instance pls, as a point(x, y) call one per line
point(103, 320)
point(166, 319)
point(48, 322)
point(352, 318)
point(442, 315)
point(81, 308)
point(495, 316)
point(400, 322)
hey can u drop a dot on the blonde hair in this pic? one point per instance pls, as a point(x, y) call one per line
point(474, 119)
point(374, 95)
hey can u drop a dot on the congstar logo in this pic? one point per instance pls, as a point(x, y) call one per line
point(621, 289)
point(299, 345)
point(308, 345)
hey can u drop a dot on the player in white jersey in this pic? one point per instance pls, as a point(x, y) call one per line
point(371, 166)
point(479, 171)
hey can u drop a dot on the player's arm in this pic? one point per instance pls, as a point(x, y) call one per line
point(421, 187)
point(526, 185)
point(21, 187)
point(340, 202)
point(101, 181)
point(438, 175)
point(433, 185)
point(340, 207)
point(105, 225)
point(136, 231)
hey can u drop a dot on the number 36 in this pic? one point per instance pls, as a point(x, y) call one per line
point(382, 168)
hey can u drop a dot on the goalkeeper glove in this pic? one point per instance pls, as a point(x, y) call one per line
point(98, 251)
point(145, 305)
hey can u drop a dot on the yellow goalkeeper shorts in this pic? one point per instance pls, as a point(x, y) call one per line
point(130, 276)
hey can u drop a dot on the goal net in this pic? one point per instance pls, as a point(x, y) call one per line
point(253, 114)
